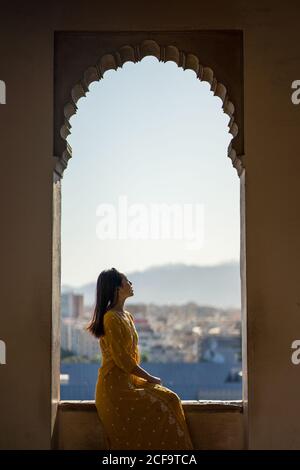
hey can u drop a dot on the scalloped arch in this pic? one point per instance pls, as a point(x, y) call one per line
point(128, 53)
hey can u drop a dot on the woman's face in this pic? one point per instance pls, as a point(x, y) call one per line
point(126, 289)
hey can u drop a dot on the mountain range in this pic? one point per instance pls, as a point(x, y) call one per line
point(179, 283)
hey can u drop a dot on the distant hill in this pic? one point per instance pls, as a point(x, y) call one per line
point(179, 283)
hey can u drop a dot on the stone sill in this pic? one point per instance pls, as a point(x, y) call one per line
point(188, 405)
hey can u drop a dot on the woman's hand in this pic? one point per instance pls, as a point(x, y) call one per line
point(154, 380)
point(143, 374)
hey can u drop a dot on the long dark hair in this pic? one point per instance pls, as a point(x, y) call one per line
point(106, 295)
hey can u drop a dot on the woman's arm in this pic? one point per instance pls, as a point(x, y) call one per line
point(117, 334)
point(140, 372)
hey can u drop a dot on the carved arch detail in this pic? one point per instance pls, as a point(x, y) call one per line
point(136, 53)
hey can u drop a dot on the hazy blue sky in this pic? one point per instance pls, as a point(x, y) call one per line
point(154, 133)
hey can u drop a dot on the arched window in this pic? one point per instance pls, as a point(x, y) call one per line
point(186, 60)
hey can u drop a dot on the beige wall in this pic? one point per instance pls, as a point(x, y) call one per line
point(272, 198)
point(211, 426)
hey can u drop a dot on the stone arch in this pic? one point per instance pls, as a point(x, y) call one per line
point(136, 53)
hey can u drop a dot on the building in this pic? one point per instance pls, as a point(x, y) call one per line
point(185, 379)
point(72, 305)
point(75, 339)
point(221, 348)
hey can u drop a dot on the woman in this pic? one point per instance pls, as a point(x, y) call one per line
point(137, 412)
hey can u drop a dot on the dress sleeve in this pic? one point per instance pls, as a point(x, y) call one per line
point(130, 316)
point(119, 342)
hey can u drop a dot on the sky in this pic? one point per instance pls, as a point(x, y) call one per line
point(147, 136)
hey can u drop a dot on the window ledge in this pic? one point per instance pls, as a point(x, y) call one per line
point(188, 405)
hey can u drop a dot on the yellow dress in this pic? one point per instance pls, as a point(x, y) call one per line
point(135, 413)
